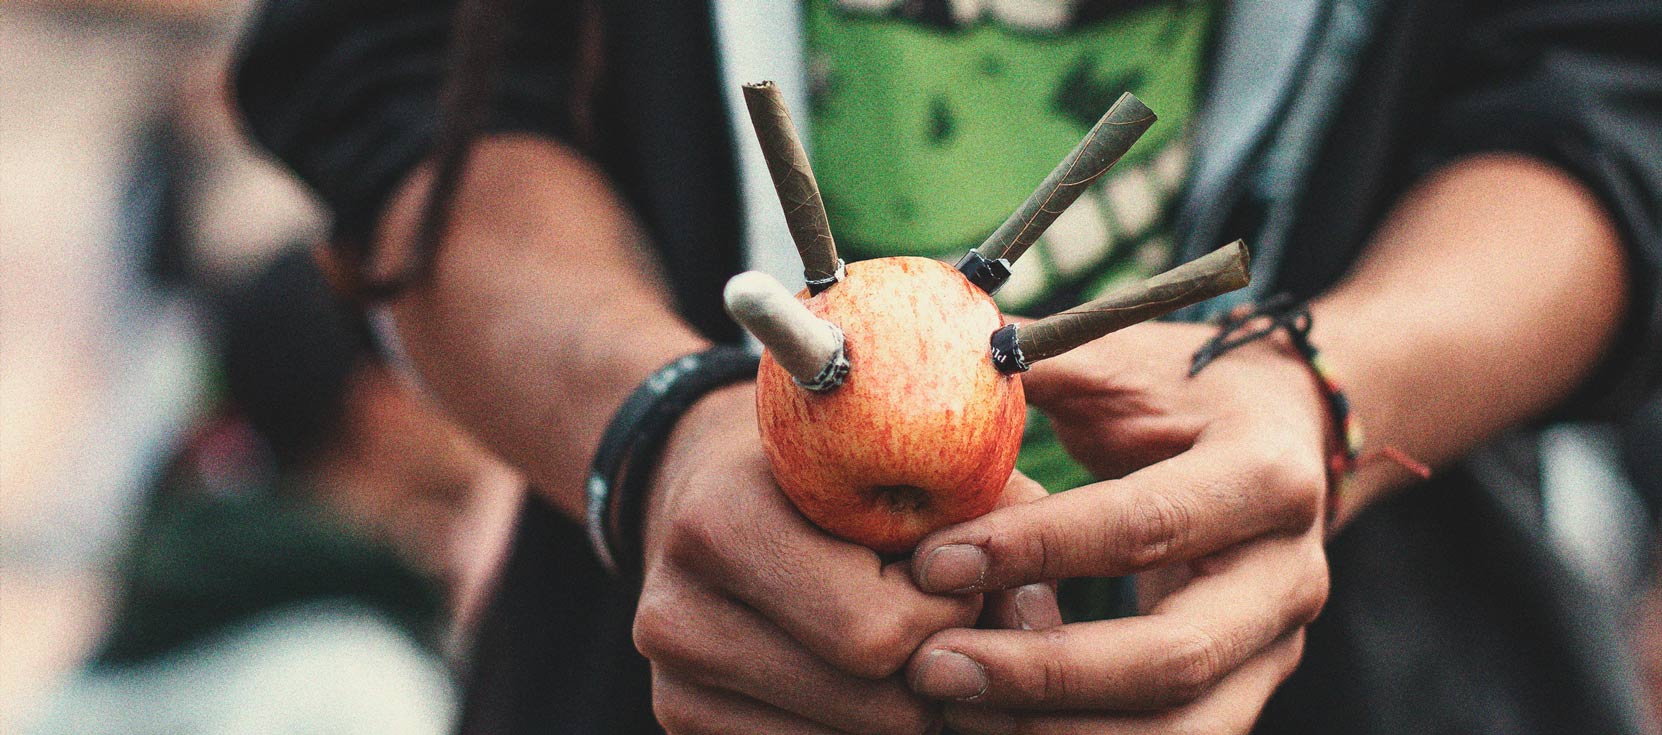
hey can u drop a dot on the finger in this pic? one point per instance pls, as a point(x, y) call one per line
point(1020, 489)
point(1219, 493)
point(684, 708)
point(713, 642)
point(1028, 607)
point(837, 598)
point(1031, 607)
point(1153, 587)
point(1078, 373)
point(1231, 707)
point(1242, 602)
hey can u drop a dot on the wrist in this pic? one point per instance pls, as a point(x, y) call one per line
point(718, 419)
point(1360, 350)
point(629, 451)
point(1289, 323)
point(1357, 346)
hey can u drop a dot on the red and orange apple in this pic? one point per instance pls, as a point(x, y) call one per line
point(923, 433)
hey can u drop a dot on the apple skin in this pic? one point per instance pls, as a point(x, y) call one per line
point(925, 431)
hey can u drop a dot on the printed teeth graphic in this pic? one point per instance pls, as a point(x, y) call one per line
point(1119, 210)
point(1025, 285)
point(1078, 239)
point(1133, 200)
point(1044, 16)
point(1171, 165)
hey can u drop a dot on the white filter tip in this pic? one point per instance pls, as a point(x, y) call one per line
point(808, 347)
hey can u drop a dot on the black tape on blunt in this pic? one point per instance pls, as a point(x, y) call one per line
point(1006, 351)
point(987, 275)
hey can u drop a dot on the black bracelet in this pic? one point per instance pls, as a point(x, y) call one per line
point(634, 440)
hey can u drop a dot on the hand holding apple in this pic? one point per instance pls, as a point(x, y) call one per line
point(1221, 480)
point(756, 621)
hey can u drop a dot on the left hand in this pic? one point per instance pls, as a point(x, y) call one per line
point(1221, 487)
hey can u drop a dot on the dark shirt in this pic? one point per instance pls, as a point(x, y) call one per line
point(1448, 612)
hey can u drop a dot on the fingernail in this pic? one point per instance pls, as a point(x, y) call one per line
point(954, 568)
point(1036, 607)
point(950, 675)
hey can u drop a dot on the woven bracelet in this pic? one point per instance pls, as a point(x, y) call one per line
point(1252, 322)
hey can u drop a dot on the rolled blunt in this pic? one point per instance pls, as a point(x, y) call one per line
point(794, 181)
point(806, 346)
point(1015, 348)
point(1102, 147)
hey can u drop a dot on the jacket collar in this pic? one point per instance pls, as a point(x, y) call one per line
point(1258, 58)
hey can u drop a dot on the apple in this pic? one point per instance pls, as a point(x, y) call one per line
point(922, 434)
point(889, 396)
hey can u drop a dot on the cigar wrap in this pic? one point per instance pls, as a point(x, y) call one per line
point(793, 180)
point(1015, 348)
point(1102, 147)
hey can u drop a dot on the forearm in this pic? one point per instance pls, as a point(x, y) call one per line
point(1486, 297)
point(542, 312)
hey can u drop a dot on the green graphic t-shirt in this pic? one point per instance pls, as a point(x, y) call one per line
point(932, 120)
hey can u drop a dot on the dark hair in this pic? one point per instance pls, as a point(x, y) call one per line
point(288, 349)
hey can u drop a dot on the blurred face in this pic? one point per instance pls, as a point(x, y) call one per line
point(407, 475)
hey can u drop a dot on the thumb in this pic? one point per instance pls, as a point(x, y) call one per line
point(1018, 490)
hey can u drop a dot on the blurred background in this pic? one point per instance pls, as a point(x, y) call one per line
point(182, 407)
point(191, 431)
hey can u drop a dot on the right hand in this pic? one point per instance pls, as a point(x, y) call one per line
point(755, 620)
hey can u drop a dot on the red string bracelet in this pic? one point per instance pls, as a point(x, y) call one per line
point(1251, 322)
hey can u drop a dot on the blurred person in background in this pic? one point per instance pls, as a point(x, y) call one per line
point(127, 193)
point(1643, 453)
point(1468, 195)
point(312, 554)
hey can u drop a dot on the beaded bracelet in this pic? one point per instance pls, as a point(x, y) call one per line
point(1249, 323)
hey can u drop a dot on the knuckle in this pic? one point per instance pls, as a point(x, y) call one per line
point(1304, 508)
point(1315, 590)
point(1194, 664)
point(655, 632)
point(1297, 480)
point(1295, 655)
point(1152, 531)
point(648, 631)
point(873, 645)
point(694, 534)
point(1050, 682)
point(1019, 552)
point(674, 712)
point(1050, 552)
point(1056, 688)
